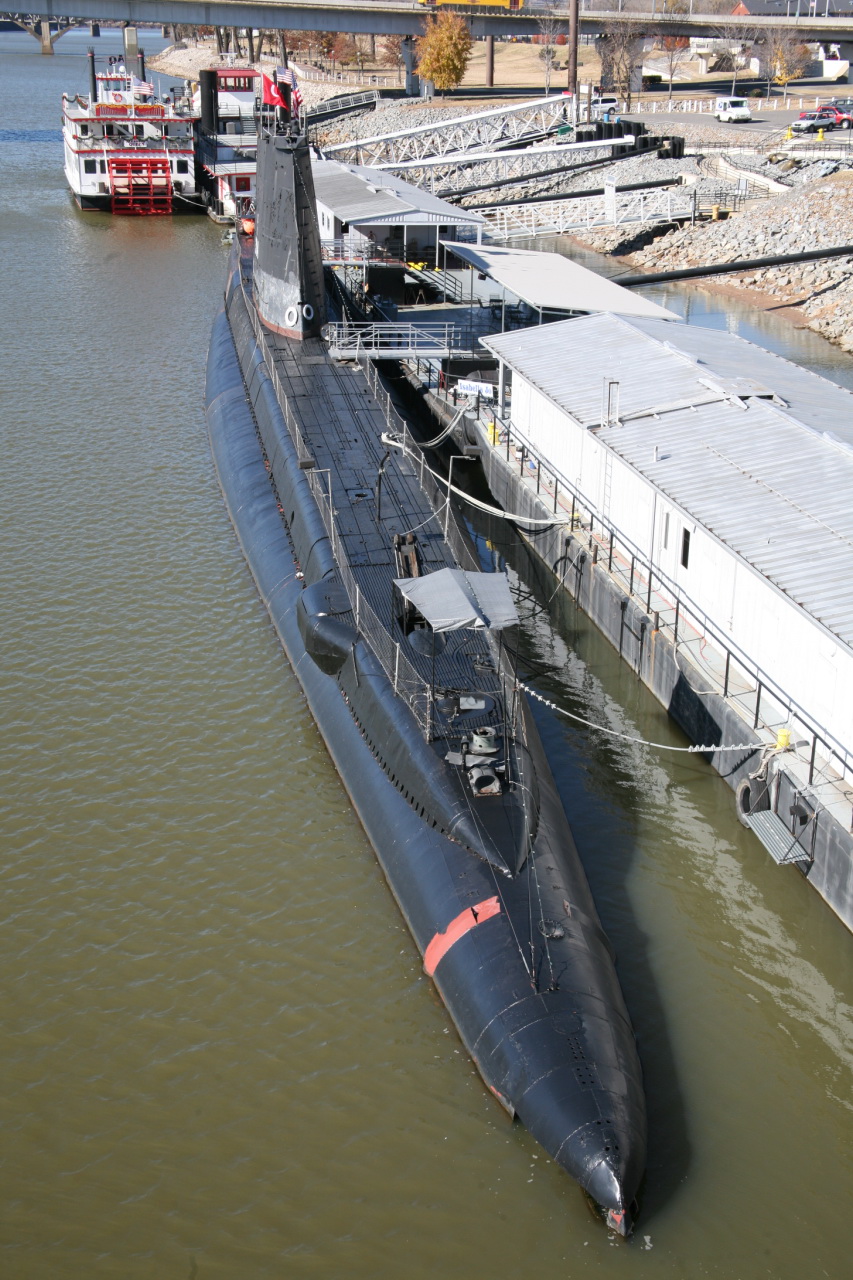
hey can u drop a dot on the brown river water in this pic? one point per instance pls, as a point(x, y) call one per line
point(221, 1058)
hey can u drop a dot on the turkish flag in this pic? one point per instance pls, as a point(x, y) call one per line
point(272, 96)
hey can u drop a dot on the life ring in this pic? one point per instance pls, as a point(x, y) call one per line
point(291, 317)
point(118, 97)
point(308, 312)
point(752, 796)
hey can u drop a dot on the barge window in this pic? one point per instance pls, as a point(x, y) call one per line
point(90, 166)
point(183, 166)
point(685, 548)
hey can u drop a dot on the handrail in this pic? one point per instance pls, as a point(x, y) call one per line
point(639, 576)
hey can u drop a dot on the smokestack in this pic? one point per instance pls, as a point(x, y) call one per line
point(93, 81)
point(209, 102)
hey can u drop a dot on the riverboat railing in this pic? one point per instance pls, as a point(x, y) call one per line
point(732, 672)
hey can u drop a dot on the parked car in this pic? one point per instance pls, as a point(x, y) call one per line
point(600, 106)
point(732, 109)
point(842, 114)
point(811, 121)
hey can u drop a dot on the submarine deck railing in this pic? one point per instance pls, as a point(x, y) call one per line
point(738, 678)
point(406, 679)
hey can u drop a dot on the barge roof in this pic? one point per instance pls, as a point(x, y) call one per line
point(552, 282)
point(358, 194)
point(756, 449)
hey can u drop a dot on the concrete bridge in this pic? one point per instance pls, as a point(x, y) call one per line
point(405, 17)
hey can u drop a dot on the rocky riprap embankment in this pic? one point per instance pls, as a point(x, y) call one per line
point(816, 216)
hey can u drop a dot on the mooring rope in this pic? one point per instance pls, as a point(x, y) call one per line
point(627, 737)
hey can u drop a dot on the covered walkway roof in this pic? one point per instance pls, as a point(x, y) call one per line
point(363, 196)
point(550, 282)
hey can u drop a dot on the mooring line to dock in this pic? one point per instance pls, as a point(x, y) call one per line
point(627, 737)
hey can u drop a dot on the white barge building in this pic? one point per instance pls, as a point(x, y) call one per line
point(699, 487)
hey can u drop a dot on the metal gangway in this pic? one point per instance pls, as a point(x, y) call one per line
point(464, 172)
point(613, 209)
point(341, 106)
point(501, 126)
point(349, 340)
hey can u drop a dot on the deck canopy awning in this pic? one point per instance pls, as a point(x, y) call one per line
point(454, 599)
point(550, 282)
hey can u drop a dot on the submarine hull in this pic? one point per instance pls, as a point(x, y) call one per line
point(521, 962)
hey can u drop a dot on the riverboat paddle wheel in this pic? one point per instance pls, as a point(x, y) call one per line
point(140, 184)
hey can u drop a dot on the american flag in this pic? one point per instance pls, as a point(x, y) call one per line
point(286, 75)
point(141, 86)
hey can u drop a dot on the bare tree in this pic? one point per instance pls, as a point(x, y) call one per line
point(737, 41)
point(783, 57)
point(621, 49)
point(674, 47)
point(550, 27)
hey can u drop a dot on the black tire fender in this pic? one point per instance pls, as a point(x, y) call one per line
point(752, 796)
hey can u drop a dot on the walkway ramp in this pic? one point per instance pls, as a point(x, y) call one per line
point(613, 209)
point(465, 172)
point(392, 341)
point(500, 127)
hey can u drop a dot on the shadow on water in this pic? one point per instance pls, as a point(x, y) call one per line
point(603, 800)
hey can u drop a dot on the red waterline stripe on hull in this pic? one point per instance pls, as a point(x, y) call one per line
point(462, 924)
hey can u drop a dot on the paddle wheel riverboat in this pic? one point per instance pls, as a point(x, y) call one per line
point(125, 152)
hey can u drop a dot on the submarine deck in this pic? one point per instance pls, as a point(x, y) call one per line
point(342, 423)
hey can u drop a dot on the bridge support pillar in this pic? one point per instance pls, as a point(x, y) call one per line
point(413, 87)
point(845, 53)
point(490, 61)
point(44, 36)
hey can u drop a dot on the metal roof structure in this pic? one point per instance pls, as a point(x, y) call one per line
point(756, 449)
point(551, 282)
point(357, 194)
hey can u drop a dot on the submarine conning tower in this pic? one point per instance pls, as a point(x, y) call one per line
point(288, 268)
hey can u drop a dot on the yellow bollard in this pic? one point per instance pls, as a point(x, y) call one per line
point(820, 135)
point(715, 213)
point(492, 429)
point(783, 739)
point(789, 133)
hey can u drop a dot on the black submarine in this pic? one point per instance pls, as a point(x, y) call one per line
point(397, 640)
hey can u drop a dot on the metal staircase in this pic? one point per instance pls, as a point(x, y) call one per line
point(140, 184)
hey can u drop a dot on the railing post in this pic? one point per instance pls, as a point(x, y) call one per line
point(757, 705)
point(631, 582)
point(726, 677)
point(610, 554)
point(675, 625)
point(396, 667)
point(649, 596)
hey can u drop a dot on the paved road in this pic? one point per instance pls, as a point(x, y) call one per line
point(766, 122)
